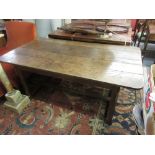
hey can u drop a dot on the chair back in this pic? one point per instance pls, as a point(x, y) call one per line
point(139, 27)
point(19, 33)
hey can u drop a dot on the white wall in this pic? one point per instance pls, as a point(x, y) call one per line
point(29, 20)
point(45, 26)
point(55, 23)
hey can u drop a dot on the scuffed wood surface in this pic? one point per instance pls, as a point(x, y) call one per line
point(110, 64)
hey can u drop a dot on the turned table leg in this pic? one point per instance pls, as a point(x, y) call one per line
point(111, 105)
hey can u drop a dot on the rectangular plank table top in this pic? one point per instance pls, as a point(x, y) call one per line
point(105, 64)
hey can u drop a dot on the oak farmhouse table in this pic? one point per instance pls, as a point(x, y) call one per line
point(108, 66)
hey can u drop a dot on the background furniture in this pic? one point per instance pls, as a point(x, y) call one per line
point(139, 32)
point(105, 66)
point(2, 40)
point(150, 31)
point(145, 33)
point(120, 32)
point(2, 35)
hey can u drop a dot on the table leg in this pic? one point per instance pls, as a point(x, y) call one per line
point(111, 105)
point(23, 82)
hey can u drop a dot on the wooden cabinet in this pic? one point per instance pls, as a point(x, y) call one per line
point(2, 40)
point(2, 35)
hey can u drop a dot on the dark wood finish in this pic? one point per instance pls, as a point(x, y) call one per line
point(111, 106)
point(108, 66)
point(150, 37)
point(22, 79)
point(3, 31)
point(146, 34)
point(118, 37)
point(120, 22)
point(2, 40)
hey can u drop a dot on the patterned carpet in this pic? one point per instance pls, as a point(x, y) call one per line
point(55, 111)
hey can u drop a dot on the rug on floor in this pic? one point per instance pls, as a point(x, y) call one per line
point(57, 112)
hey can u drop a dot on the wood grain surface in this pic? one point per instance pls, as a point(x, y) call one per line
point(110, 64)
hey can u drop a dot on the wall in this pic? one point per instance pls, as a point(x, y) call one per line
point(45, 26)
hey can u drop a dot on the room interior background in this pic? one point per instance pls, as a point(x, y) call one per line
point(46, 26)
